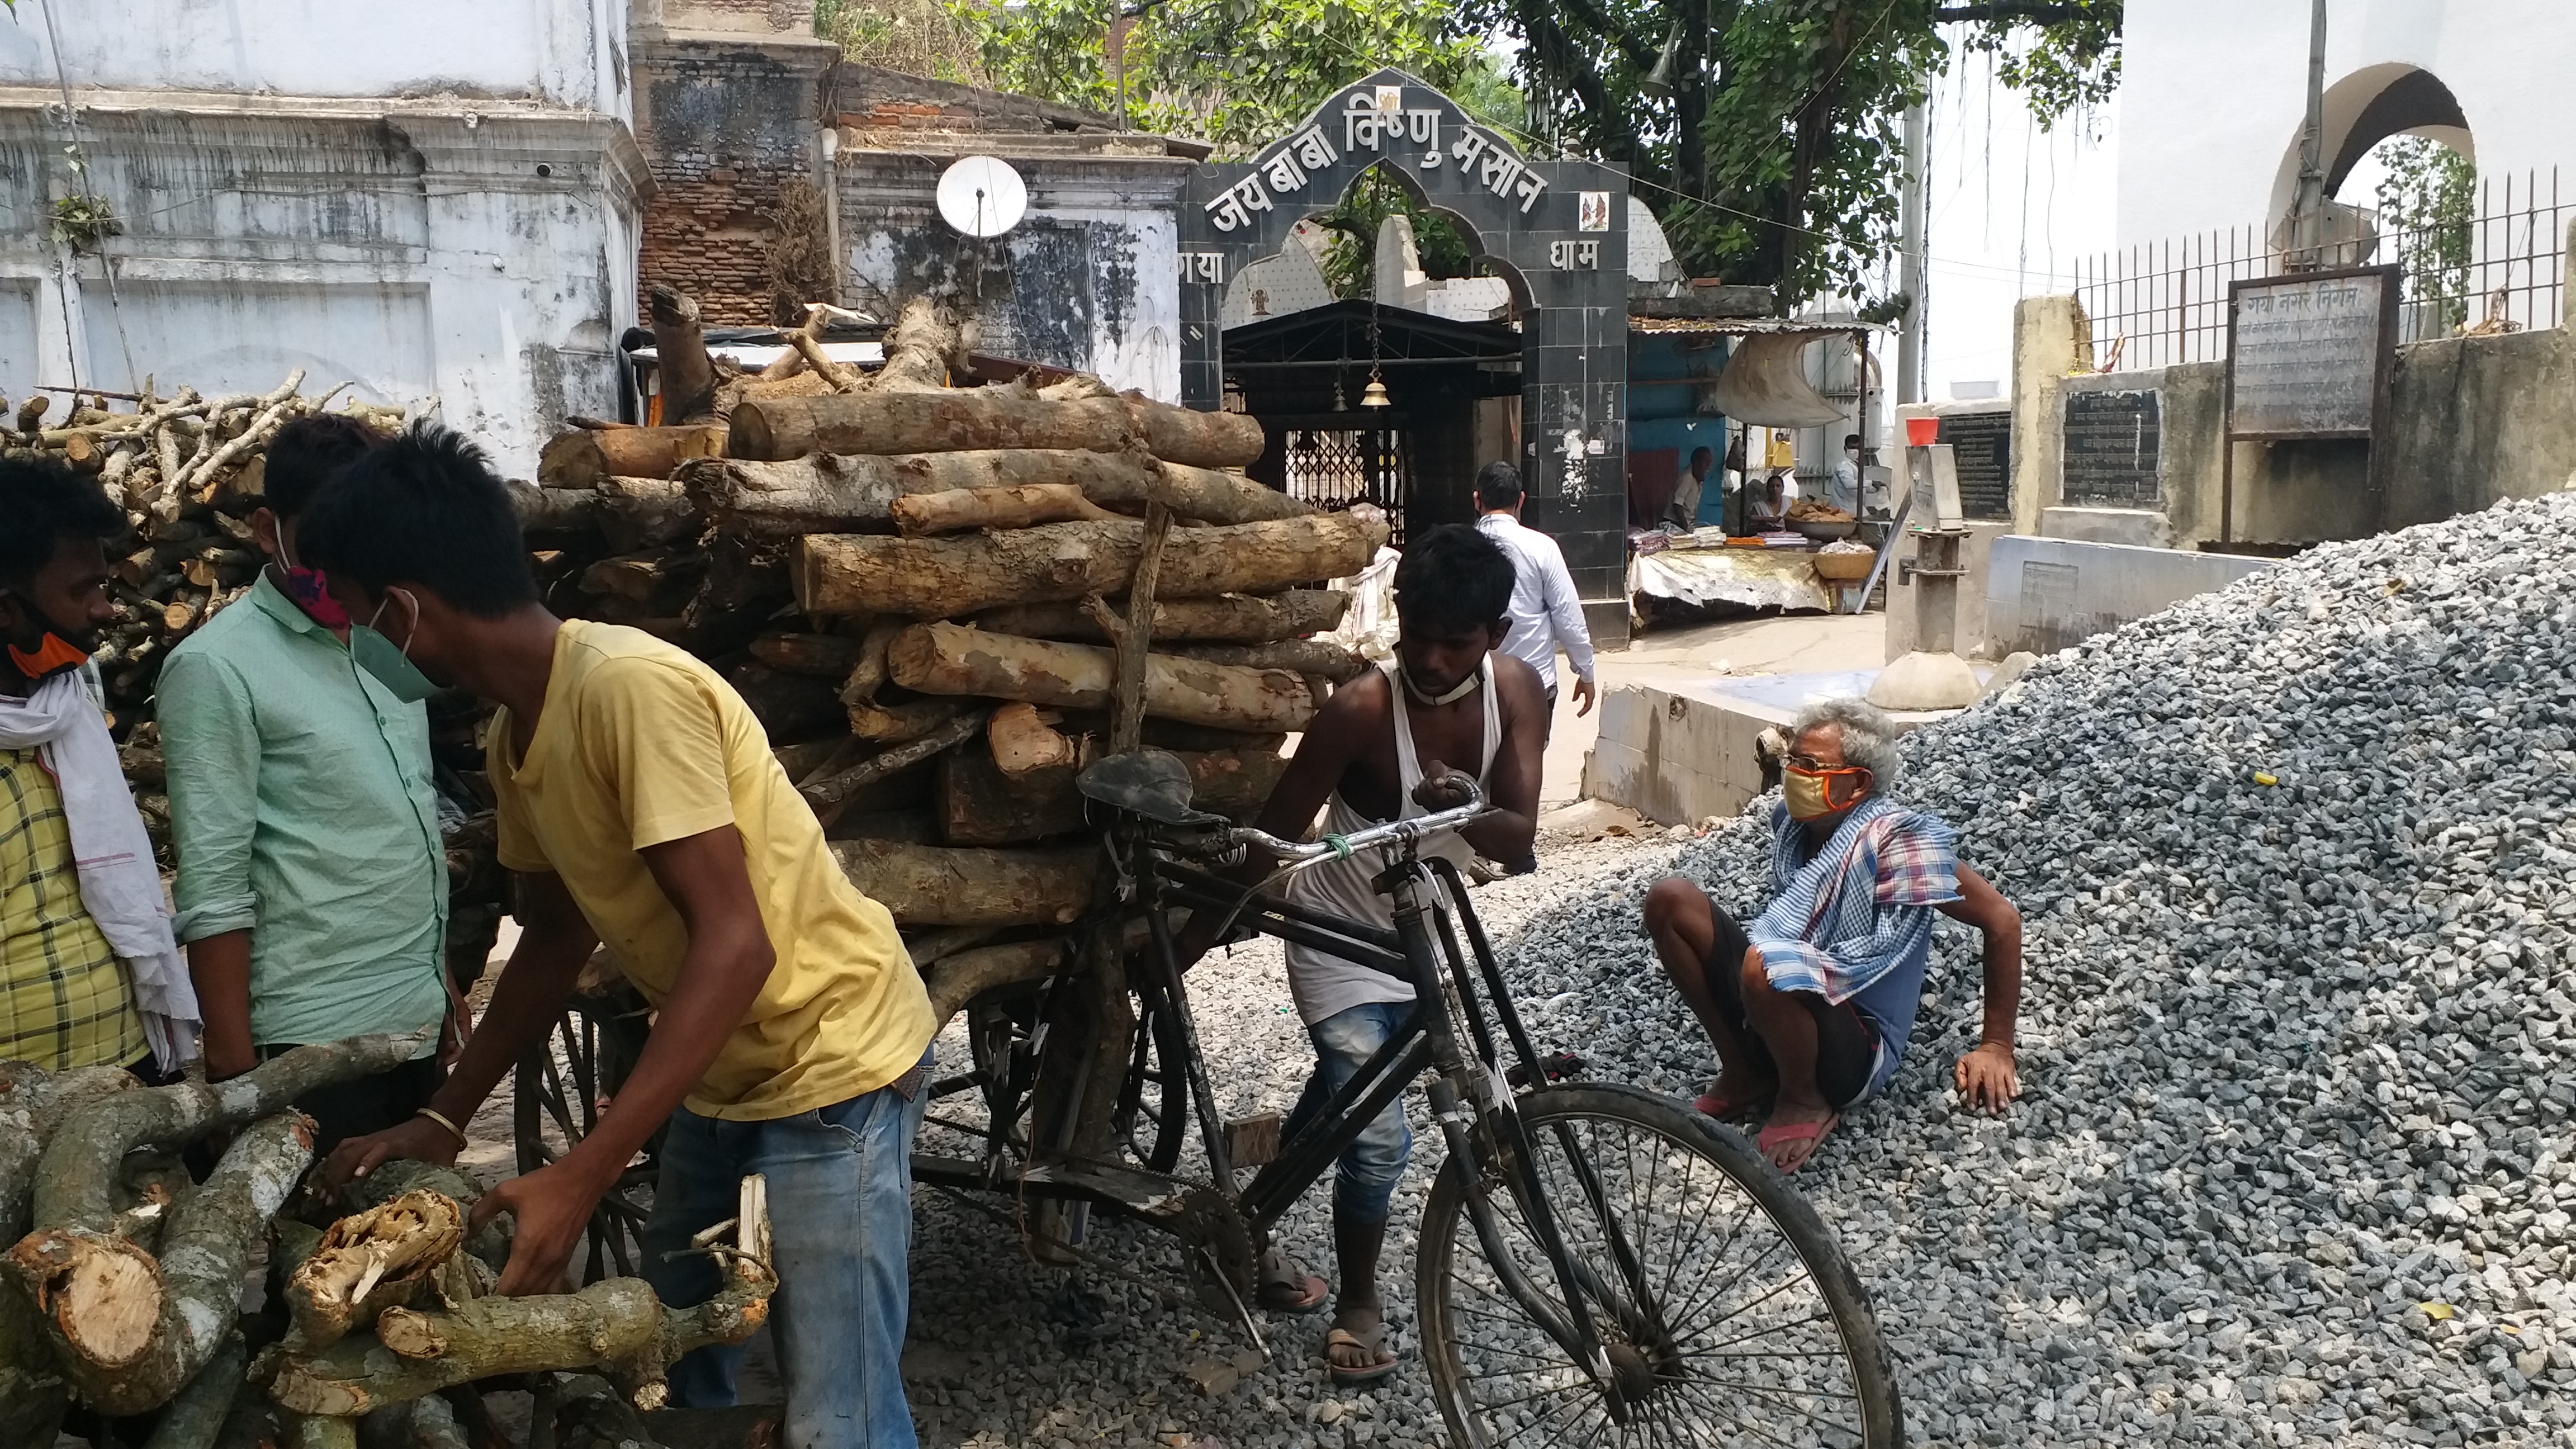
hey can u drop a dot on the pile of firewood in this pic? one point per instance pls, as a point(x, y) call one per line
point(943, 601)
point(187, 470)
point(123, 1290)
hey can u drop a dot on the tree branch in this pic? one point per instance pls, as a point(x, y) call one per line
point(1592, 17)
point(1556, 51)
point(2038, 12)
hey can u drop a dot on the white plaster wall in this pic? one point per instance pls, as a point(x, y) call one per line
point(1145, 352)
point(566, 52)
point(410, 255)
point(894, 243)
point(2213, 94)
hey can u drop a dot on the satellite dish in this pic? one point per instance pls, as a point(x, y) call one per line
point(982, 196)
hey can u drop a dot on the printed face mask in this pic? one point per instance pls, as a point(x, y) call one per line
point(311, 590)
point(53, 655)
point(1809, 794)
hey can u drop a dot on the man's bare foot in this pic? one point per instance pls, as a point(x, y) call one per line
point(1794, 1133)
point(1355, 1349)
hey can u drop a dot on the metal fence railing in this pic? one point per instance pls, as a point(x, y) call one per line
point(2502, 269)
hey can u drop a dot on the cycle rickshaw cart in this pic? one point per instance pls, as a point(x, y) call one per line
point(1595, 1265)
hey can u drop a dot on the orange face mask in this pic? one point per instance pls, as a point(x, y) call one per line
point(53, 655)
point(1810, 794)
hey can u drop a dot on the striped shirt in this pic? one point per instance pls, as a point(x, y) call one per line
point(1852, 920)
point(65, 1000)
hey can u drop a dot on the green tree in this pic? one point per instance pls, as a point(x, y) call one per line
point(1350, 267)
point(1234, 73)
point(2427, 200)
point(1775, 157)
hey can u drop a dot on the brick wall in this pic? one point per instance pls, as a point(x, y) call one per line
point(722, 126)
point(870, 99)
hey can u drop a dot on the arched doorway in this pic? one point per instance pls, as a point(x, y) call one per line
point(1556, 229)
point(2373, 116)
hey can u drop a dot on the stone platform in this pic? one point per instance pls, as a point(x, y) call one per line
point(1680, 751)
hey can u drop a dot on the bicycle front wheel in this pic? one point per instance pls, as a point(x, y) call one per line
point(1728, 1314)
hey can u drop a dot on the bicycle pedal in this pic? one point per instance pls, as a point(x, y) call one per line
point(1253, 1141)
point(1559, 1067)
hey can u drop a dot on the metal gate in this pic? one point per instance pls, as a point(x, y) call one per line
point(1334, 467)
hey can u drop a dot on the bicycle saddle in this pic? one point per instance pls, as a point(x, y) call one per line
point(1151, 783)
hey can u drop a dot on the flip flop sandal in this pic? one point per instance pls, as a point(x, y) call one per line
point(1729, 1109)
point(1359, 1377)
point(1770, 1137)
point(1290, 1290)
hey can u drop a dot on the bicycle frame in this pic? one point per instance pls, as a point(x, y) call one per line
point(1429, 1038)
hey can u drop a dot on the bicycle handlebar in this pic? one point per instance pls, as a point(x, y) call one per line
point(1297, 855)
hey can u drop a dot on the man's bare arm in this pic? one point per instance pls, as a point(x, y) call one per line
point(1986, 1076)
point(219, 968)
point(1332, 741)
point(555, 942)
point(728, 960)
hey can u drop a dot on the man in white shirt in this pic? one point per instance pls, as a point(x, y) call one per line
point(1845, 491)
point(1545, 613)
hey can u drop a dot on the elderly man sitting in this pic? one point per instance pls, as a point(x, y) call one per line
point(1810, 1006)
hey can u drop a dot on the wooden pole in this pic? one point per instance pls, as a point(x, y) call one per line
point(1136, 630)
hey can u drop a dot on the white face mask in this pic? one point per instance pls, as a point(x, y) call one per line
point(1852, 453)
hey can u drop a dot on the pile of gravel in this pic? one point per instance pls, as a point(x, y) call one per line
point(2292, 1159)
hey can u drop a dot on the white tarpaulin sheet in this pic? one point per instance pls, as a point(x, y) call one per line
point(1756, 578)
point(1765, 383)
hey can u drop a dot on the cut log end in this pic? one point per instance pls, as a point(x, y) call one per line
point(411, 1333)
point(102, 1292)
point(395, 1246)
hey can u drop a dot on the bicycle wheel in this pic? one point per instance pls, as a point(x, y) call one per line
point(1729, 1315)
point(558, 1094)
point(1152, 1113)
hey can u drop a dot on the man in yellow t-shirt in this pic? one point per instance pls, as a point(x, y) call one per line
point(641, 807)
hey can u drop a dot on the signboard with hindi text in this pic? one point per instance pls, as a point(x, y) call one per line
point(1556, 228)
point(1982, 445)
point(2308, 353)
point(2113, 440)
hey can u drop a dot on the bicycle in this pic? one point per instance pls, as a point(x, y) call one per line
point(1596, 1264)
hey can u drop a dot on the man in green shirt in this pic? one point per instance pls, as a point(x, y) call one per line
point(312, 886)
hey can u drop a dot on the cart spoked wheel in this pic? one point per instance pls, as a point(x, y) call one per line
point(561, 1090)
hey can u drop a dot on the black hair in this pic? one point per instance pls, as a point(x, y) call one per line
point(47, 501)
point(306, 453)
point(424, 508)
point(1498, 485)
point(1453, 576)
point(1703, 451)
point(1851, 440)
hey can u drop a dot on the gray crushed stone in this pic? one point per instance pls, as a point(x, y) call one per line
point(2291, 1164)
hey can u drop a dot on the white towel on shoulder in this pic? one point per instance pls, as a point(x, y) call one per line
point(119, 882)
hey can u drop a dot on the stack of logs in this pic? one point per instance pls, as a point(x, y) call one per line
point(937, 600)
point(122, 1294)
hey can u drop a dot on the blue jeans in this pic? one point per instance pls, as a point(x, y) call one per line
point(1364, 1184)
point(840, 1210)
